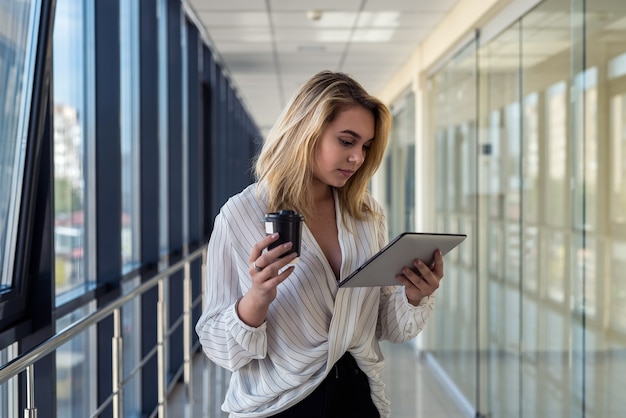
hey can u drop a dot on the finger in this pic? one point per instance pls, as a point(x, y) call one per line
point(437, 266)
point(426, 274)
point(276, 280)
point(278, 251)
point(271, 270)
point(258, 248)
point(274, 268)
point(414, 293)
point(411, 279)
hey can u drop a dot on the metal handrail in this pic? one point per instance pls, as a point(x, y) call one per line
point(27, 360)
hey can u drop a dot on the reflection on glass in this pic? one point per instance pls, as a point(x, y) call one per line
point(493, 165)
point(495, 246)
point(557, 324)
point(16, 75)
point(440, 156)
point(512, 252)
point(131, 354)
point(531, 158)
point(556, 263)
point(531, 259)
point(69, 145)
point(512, 161)
point(75, 366)
point(618, 295)
point(502, 229)
point(453, 97)
point(163, 126)
point(9, 390)
point(129, 131)
point(556, 125)
point(402, 168)
point(618, 160)
point(585, 144)
point(466, 143)
point(584, 277)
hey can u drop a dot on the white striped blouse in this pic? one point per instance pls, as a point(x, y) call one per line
point(309, 325)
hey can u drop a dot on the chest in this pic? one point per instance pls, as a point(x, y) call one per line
point(324, 230)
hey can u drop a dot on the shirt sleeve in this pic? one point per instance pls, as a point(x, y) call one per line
point(398, 320)
point(225, 339)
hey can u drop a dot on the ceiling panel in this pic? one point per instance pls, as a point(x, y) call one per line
point(304, 5)
point(269, 48)
point(299, 20)
point(235, 19)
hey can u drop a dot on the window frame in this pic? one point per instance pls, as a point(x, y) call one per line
point(33, 245)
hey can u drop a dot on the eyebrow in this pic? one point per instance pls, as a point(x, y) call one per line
point(350, 132)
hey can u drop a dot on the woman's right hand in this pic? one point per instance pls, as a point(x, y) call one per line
point(267, 271)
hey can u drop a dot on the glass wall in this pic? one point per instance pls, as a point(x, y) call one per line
point(116, 188)
point(400, 162)
point(73, 99)
point(451, 335)
point(547, 305)
point(129, 132)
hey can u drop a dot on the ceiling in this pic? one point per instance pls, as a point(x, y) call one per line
point(270, 47)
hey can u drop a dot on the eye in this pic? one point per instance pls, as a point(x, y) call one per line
point(345, 142)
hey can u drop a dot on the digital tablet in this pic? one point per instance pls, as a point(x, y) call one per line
point(381, 269)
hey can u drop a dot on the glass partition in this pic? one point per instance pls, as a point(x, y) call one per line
point(452, 341)
point(500, 191)
point(401, 163)
point(598, 288)
point(548, 302)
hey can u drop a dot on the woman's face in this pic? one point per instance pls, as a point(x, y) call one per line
point(343, 146)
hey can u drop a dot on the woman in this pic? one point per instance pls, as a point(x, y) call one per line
point(297, 345)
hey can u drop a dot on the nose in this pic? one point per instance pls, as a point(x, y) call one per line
point(357, 156)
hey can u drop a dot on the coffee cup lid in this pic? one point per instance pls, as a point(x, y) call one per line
point(284, 214)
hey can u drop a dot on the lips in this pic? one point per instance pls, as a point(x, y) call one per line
point(346, 173)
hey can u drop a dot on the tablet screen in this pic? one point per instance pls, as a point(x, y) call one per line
point(382, 268)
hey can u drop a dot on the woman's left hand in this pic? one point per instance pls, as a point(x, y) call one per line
point(421, 280)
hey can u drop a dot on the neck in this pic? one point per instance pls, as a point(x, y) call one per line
point(322, 191)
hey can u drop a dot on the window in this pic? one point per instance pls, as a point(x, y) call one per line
point(71, 48)
point(19, 22)
point(130, 132)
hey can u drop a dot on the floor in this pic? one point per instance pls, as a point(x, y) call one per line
point(411, 385)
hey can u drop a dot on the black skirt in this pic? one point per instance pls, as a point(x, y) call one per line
point(344, 393)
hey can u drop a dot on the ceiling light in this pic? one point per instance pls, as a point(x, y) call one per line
point(314, 14)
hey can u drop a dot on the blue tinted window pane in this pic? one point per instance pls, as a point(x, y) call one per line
point(17, 36)
point(70, 43)
point(130, 132)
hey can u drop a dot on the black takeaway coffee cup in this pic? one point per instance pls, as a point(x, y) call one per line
point(288, 224)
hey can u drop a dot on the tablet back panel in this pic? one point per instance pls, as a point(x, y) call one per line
point(382, 268)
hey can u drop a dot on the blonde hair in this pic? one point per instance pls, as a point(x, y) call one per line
point(284, 165)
